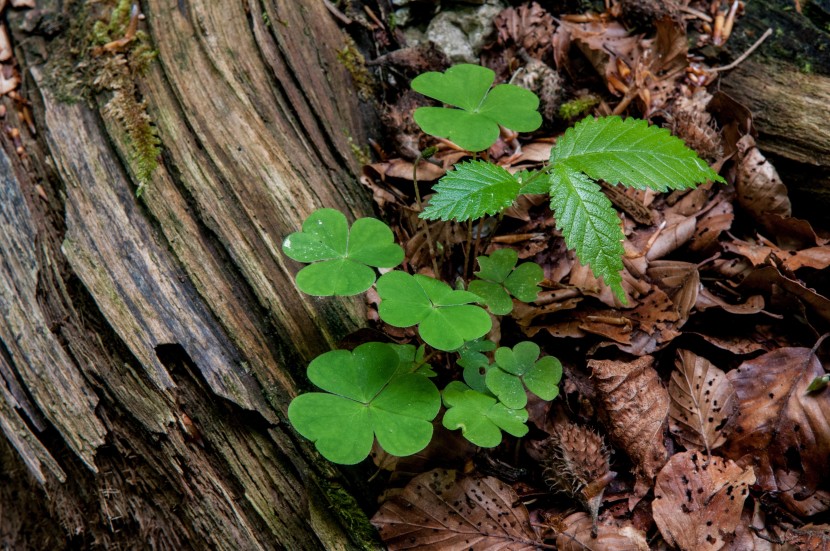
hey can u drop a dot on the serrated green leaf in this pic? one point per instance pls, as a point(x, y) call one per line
point(366, 393)
point(521, 367)
point(631, 152)
point(589, 224)
point(480, 417)
point(500, 278)
point(473, 189)
point(475, 126)
point(532, 182)
point(342, 258)
point(445, 317)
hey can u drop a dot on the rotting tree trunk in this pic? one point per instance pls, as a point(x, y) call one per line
point(149, 347)
point(786, 86)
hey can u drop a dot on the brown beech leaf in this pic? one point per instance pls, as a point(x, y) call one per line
point(698, 500)
point(702, 401)
point(579, 536)
point(760, 190)
point(444, 510)
point(768, 276)
point(778, 422)
point(809, 536)
point(635, 406)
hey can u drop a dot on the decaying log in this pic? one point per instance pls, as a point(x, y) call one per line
point(149, 347)
point(786, 86)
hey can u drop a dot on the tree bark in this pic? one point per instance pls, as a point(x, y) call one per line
point(149, 347)
point(786, 86)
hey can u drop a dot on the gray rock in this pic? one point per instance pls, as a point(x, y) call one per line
point(462, 31)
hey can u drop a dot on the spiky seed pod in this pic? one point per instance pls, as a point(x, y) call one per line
point(577, 464)
point(694, 125)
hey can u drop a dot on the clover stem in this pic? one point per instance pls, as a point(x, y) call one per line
point(421, 209)
point(468, 247)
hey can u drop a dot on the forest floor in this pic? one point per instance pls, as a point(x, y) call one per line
point(694, 416)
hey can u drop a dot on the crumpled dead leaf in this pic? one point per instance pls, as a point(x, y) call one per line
point(760, 190)
point(779, 424)
point(443, 510)
point(698, 500)
point(578, 536)
point(636, 407)
point(809, 536)
point(702, 401)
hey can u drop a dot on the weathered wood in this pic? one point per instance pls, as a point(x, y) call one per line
point(150, 347)
point(786, 86)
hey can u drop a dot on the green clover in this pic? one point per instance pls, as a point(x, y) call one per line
point(500, 278)
point(475, 363)
point(518, 368)
point(445, 318)
point(366, 396)
point(341, 258)
point(475, 125)
point(480, 417)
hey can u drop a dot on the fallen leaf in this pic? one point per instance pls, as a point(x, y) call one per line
point(810, 536)
point(760, 190)
point(702, 401)
point(769, 276)
point(579, 536)
point(635, 406)
point(778, 422)
point(444, 510)
point(698, 500)
point(5, 44)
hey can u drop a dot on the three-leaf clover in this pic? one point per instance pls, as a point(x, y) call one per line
point(365, 394)
point(475, 125)
point(499, 278)
point(521, 367)
point(480, 417)
point(475, 363)
point(446, 318)
point(342, 258)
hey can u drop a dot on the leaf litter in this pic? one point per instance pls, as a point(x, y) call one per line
point(684, 419)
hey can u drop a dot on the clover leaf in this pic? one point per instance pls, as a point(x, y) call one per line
point(366, 393)
point(412, 360)
point(475, 125)
point(521, 367)
point(445, 317)
point(480, 417)
point(499, 278)
point(475, 363)
point(341, 258)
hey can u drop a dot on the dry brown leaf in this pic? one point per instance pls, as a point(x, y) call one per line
point(680, 281)
point(443, 510)
point(698, 500)
point(810, 536)
point(779, 424)
point(814, 257)
point(760, 190)
point(635, 406)
point(9, 79)
point(768, 276)
point(578, 536)
point(702, 401)
point(736, 345)
point(706, 299)
point(751, 533)
point(711, 225)
point(5, 44)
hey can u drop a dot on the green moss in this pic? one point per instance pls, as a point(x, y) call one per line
point(355, 63)
point(577, 107)
point(347, 509)
point(83, 69)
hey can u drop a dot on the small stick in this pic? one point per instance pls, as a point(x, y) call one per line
point(421, 207)
point(744, 55)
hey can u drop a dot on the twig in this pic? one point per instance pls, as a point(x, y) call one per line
point(697, 13)
point(744, 55)
point(421, 209)
point(345, 19)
